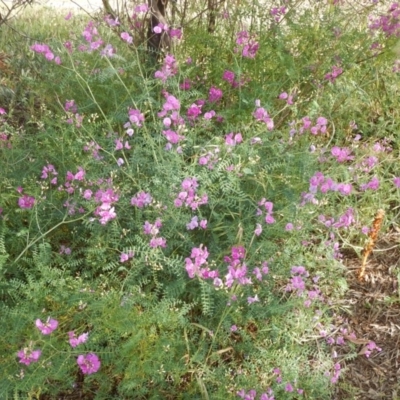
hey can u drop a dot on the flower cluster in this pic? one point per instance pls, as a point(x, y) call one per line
point(268, 205)
point(210, 159)
point(153, 230)
point(94, 148)
point(141, 199)
point(198, 259)
point(249, 45)
point(232, 139)
point(28, 355)
point(319, 127)
point(74, 117)
point(278, 13)
point(325, 184)
point(26, 201)
point(388, 23)
point(106, 211)
point(170, 111)
point(341, 154)
point(91, 35)
point(188, 195)
point(373, 184)
point(126, 256)
point(298, 285)
point(46, 51)
point(229, 76)
point(49, 169)
point(287, 97)
point(46, 327)
point(135, 117)
point(262, 115)
point(89, 363)
point(344, 221)
point(76, 341)
point(168, 69)
point(237, 270)
point(172, 138)
point(335, 72)
point(194, 223)
point(214, 95)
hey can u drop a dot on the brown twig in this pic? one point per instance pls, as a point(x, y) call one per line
point(372, 236)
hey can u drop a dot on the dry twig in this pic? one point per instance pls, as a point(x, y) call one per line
point(372, 236)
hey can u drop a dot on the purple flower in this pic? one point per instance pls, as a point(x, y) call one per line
point(28, 356)
point(289, 226)
point(193, 223)
point(252, 300)
point(141, 199)
point(215, 95)
point(26, 201)
point(75, 341)
point(262, 115)
point(267, 396)
point(288, 387)
point(229, 76)
point(250, 49)
point(396, 182)
point(124, 257)
point(126, 37)
point(136, 117)
point(49, 326)
point(89, 363)
point(258, 230)
point(158, 242)
point(231, 140)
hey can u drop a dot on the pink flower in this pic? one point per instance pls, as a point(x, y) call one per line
point(262, 115)
point(158, 242)
point(141, 8)
point(89, 363)
point(26, 201)
point(231, 140)
point(136, 117)
point(396, 182)
point(215, 94)
point(28, 356)
point(258, 230)
point(126, 37)
point(141, 199)
point(75, 341)
point(49, 326)
point(288, 387)
point(251, 300)
point(229, 76)
point(175, 33)
point(2, 111)
point(289, 227)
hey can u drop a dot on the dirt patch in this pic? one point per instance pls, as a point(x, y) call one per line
point(372, 309)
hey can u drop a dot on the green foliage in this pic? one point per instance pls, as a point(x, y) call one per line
point(158, 332)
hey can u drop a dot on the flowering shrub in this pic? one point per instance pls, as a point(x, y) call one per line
point(184, 225)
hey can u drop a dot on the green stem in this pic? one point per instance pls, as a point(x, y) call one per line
point(46, 233)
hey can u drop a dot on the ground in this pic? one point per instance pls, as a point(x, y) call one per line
point(372, 309)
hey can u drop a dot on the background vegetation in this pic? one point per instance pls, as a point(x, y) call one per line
point(273, 128)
